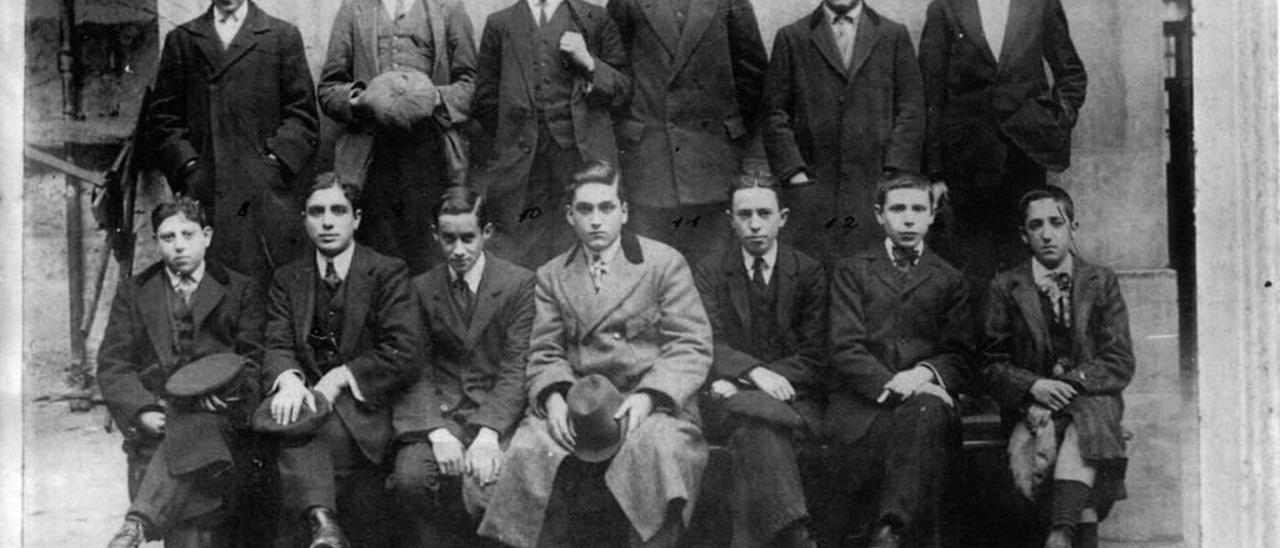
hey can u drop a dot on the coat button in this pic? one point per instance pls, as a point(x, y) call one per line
point(617, 336)
point(444, 408)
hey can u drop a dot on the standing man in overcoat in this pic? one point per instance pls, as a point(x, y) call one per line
point(233, 120)
point(995, 122)
point(698, 68)
point(403, 171)
point(844, 103)
point(552, 73)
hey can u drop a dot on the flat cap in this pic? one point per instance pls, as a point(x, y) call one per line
point(205, 375)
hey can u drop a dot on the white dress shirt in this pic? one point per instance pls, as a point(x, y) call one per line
point(175, 279)
point(995, 17)
point(536, 7)
point(919, 247)
point(472, 277)
point(845, 29)
point(770, 259)
point(228, 24)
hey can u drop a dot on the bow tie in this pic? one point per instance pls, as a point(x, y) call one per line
point(1056, 280)
point(905, 257)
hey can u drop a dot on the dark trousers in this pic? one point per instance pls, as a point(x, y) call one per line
point(694, 230)
point(894, 473)
point(186, 512)
point(406, 179)
point(768, 494)
point(583, 512)
point(430, 502)
point(979, 234)
point(531, 220)
point(329, 470)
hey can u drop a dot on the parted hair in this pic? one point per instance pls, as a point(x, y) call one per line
point(461, 200)
point(593, 172)
point(1050, 192)
point(756, 179)
point(895, 180)
point(330, 179)
point(182, 205)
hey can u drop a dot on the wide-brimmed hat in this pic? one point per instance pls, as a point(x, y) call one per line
point(306, 424)
point(592, 401)
point(205, 375)
point(400, 100)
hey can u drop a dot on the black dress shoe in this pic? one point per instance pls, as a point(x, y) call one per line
point(130, 535)
point(325, 532)
point(885, 536)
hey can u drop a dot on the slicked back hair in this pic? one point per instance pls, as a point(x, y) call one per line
point(329, 180)
point(897, 180)
point(756, 179)
point(1049, 192)
point(461, 200)
point(183, 205)
point(597, 172)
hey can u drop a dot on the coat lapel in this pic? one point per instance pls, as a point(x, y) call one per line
point(488, 294)
point(523, 29)
point(357, 290)
point(865, 40)
point(206, 40)
point(1027, 296)
point(207, 296)
point(367, 14)
point(886, 272)
point(735, 275)
point(971, 20)
point(701, 14)
point(924, 270)
point(663, 22)
point(153, 303)
point(246, 40)
point(824, 40)
point(619, 283)
point(302, 301)
point(1084, 290)
point(1019, 17)
point(784, 275)
point(443, 300)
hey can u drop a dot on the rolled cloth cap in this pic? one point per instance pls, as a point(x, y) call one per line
point(400, 100)
point(205, 375)
point(592, 401)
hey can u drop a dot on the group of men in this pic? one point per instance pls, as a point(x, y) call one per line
point(405, 365)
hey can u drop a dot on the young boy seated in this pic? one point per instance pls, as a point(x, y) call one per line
point(1057, 356)
point(900, 343)
point(185, 454)
point(476, 311)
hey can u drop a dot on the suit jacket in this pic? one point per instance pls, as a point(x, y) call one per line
point(842, 126)
point(801, 313)
point(228, 108)
point(697, 94)
point(1017, 351)
point(353, 57)
point(976, 99)
point(378, 345)
point(882, 324)
point(136, 355)
point(472, 373)
point(505, 101)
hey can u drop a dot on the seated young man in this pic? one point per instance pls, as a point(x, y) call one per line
point(1057, 356)
point(901, 344)
point(177, 311)
point(768, 307)
point(625, 308)
point(477, 310)
point(343, 322)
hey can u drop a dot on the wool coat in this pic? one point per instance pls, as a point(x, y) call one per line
point(472, 373)
point(697, 95)
point(378, 343)
point(646, 331)
point(843, 126)
point(227, 108)
point(882, 323)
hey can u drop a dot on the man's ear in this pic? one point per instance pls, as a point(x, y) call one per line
point(782, 216)
point(355, 218)
point(487, 231)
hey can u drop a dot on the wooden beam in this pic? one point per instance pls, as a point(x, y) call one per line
point(92, 177)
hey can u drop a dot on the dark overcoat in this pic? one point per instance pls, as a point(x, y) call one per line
point(228, 108)
point(472, 372)
point(883, 323)
point(1017, 351)
point(843, 126)
point(137, 356)
point(378, 343)
point(975, 100)
point(697, 95)
point(505, 101)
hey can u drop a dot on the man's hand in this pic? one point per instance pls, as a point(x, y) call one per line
point(1052, 394)
point(287, 404)
point(448, 451)
point(558, 421)
point(906, 383)
point(484, 457)
point(1038, 416)
point(799, 179)
point(151, 422)
point(722, 389)
point(572, 44)
point(636, 408)
point(771, 383)
point(332, 383)
point(212, 403)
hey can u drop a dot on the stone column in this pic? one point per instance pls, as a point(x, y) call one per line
point(1238, 190)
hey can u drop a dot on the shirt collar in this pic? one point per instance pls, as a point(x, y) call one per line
point(551, 7)
point(341, 262)
point(606, 256)
point(237, 16)
point(175, 278)
point(854, 14)
point(472, 276)
point(1040, 273)
point(770, 258)
point(919, 247)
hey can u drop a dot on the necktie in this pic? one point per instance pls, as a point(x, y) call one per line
point(1057, 288)
point(757, 275)
point(542, 13)
point(905, 257)
point(598, 270)
point(186, 286)
point(844, 30)
point(331, 279)
point(399, 9)
point(464, 298)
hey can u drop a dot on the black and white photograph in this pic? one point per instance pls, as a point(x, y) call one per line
point(640, 274)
